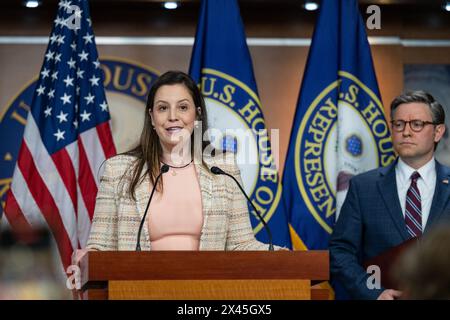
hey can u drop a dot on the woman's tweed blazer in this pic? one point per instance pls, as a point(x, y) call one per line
point(226, 223)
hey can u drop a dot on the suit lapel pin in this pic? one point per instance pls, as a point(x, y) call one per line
point(445, 181)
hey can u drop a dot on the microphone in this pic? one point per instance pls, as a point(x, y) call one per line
point(218, 171)
point(164, 169)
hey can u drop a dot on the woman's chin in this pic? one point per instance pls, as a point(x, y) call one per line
point(173, 141)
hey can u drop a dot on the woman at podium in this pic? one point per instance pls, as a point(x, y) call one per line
point(191, 207)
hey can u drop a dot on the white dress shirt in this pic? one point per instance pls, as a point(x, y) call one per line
point(426, 184)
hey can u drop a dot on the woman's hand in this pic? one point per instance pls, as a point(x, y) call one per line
point(75, 277)
point(77, 255)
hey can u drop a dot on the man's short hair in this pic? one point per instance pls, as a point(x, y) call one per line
point(437, 111)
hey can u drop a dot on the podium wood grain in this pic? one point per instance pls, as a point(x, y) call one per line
point(204, 275)
point(210, 290)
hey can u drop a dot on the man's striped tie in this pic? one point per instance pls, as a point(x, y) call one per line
point(413, 212)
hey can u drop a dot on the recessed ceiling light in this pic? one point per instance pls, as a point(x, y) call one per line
point(170, 5)
point(447, 6)
point(311, 5)
point(32, 3)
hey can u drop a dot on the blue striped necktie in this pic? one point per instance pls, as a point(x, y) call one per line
point(413, 212)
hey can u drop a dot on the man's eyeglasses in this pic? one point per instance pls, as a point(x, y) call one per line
point(415, 125)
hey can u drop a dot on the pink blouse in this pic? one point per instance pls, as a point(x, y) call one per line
point(175, 217)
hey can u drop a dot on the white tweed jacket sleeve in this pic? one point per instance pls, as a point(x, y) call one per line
point(103, 234)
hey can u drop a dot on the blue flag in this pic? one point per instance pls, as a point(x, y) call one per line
point(221, 64)
point(339, 129)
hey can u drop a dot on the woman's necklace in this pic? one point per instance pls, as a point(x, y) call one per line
point(174, 173)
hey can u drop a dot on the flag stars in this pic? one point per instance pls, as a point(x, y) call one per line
point(65, 98)
point(48, 112)
point(104, 106)
point(80, 73)
point(45, 73)
point(83, 55)
point(88, 38)
point(62, 117)
point(40, 90)
point(71, 63)
point(77, 102)
point(89, 98)
point(85, 116)
point(78, 13)
point(57, 21)
point(51, 93)
point(60, 40)
point(94, 81)
point(59, 135)
point(68, 81)
point(64, 4)
point(49, 55)
point(53, 38)
point(64, 22)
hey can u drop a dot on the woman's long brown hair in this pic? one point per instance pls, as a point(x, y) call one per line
point(149, 150)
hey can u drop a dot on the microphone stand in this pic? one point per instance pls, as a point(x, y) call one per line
point(218, 171)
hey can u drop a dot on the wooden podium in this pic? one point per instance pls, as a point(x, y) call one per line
point(204, 275)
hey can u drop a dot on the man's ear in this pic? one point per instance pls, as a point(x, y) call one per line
point(439, 132)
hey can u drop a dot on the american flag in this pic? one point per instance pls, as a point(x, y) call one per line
point(66, 139)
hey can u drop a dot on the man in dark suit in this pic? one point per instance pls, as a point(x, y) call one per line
point(387, 206)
